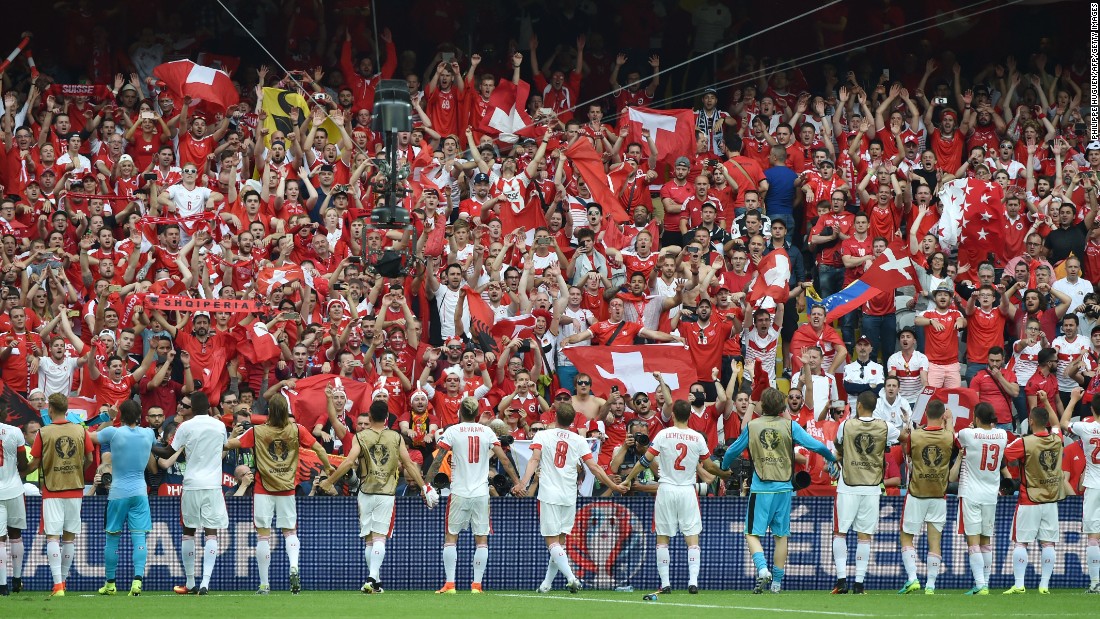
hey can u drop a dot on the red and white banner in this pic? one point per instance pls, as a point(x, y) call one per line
point(188, 304)
point(630, 368)
point(309, 404)
point(518, 327)
point(773, 278)
point(184, 78)
point(959, 402)
point(672, 130)
point(973, 219)
point(270, 277)
point(256, 343)
point(507, 118)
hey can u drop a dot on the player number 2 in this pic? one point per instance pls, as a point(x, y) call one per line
point(560, 452)
point(991, 455)
point(682, 449)
point(1095, 442)
point(474, 455)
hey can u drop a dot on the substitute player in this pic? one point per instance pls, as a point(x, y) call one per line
point(378, 453)
point(1088, 432)
point(128, 501)
point(62, 449)
point(980, 471)
point(470, 445)
point(275, 446)
point(770, 440)
point(1042, 486)
point(13, 513)
point(861, 446)
point(678, 451)
point(929, 451)
point(201, 439)
point(557, 453)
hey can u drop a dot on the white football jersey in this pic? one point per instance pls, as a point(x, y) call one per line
point(11, 439)
point(679, 451)
point(561, 451)
point(202, 438)
point(471, 446)
point(1089, 434)
point(983, 451)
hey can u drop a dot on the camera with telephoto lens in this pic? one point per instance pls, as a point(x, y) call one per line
point(740, 473)
point(106, 479)
point(502, 484)
point(641, 439)
point(441, 481)
point(506, 440)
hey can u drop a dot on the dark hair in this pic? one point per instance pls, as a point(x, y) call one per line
point(379, 411)
point(1046, 355)
point(773, 402)
point(867, 401)
point(200, 403)
point(681, 410)
point(130, 412)
point(934, 410)
point(996, 350)
point(984, 413)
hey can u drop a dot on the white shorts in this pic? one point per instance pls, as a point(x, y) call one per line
point(375, 514)
point(856, 511)
point(556, 519)
point(472, 513)
point(268, 507)
point(1033, 522)
point(1090, 512)
point(60, 515)
point(917, 511)
point(676, 509)
point(13, 514)
point(204, 509)
point(977, 518)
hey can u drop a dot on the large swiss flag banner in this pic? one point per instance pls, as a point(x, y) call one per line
point(958, 401)
point(673, 130)
point(309, 404)
point(630, 368)
point(184, 78)
point(772, 278)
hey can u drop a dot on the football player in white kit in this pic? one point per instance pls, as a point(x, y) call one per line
point(980, 471)
point(678, 451)
point(557, 452)
point(470, 445)
point(13, 513)
point(1088, 432)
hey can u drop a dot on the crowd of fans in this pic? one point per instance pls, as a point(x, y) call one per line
point(104, 192)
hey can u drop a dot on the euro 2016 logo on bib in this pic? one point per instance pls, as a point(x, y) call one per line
point(932, 455)
point(769, 438)
point(607, 545)
point(379, 454)
point(1048, 459)
point(865, 444)
point(278, 449)
point(64, 447)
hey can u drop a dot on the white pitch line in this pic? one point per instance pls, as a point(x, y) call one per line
point(684, 605)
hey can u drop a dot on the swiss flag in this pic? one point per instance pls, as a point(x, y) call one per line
point(256, 343)
point(184, 78)
point(518, 327)
point(630, 368)
point(589, 164)
point(507, 118)
point(973, 219)
point(959, 402)
point(309, 404)
point(772, 278)
point(673, 130)
point(269, 277)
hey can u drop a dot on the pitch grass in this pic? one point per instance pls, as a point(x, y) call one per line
point(601, 604)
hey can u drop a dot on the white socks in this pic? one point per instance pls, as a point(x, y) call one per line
point(15, 550)
point(3, 563)
point(1048, 566)
point(551, 573)
point(1092, 555)
point(263, 559)
point(1019, 564)
point(68, 553)
point(840, 556)
point(450, 561)
point(561, 562)
point(977, 566)
point(209, 557)
point(662, 564)
point(863, 559)
point(693, 565)
point(293, 548)
point(987, 559)
point(933, 570)
point(187, 555)
point(481, 558)
point(377, 556)
point(909, 560)
point(53, 557)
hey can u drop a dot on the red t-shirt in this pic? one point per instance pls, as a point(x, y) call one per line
point(989, 390)
point(194, 151)
point(705, 344)
point(942, 347)
point(602, 331)
point(1038, 382)
point(984, 330)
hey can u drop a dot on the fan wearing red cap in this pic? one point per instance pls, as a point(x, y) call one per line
point(948, 139)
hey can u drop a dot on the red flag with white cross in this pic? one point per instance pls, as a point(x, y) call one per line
point(673, 131)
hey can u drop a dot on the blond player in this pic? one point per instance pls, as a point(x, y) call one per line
point(981, 463)
point(1088, 432)
point(556, 453)
point(471, 445)
point(678, 451)
point(378, 454)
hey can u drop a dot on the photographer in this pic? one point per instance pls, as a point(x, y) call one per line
point(245, 482)
point(628, 454)
point(499, 483)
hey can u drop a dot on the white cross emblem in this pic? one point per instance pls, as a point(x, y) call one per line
point(653, 122)
point(891, 263)
point(201, 75)
point(629, 369)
